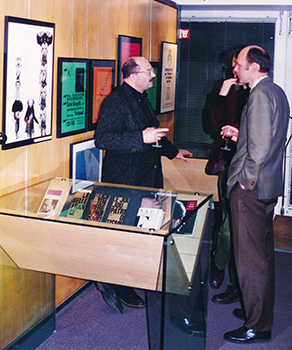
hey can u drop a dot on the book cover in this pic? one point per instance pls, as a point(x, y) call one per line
point(150, 218)
point(118, 210)
point(50, 202)
point(78, 202)
point(98, 206)
point(181, 209)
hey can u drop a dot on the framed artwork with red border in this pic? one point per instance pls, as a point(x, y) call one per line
point(128, 46)
point(101, 83)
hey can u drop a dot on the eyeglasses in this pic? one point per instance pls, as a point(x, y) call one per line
point(147, 71)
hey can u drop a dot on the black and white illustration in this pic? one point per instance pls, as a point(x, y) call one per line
point(28, 71)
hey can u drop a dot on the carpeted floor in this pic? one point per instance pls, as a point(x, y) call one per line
point(221, 320)
point(87, 323)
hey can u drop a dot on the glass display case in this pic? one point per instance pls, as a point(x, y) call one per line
point(146, 238)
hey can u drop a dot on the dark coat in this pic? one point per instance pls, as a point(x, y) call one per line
point(128, 160)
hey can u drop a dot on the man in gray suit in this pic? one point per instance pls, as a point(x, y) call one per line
point(254, 184)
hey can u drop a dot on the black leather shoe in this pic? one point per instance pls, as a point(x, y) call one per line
point(109, 296)
point(230, 295)
point(129, 297)
point(239, 313)
point(190, 325)
point(244, 335)
point(216, 276)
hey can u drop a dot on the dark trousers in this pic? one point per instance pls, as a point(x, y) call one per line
point(253, 237)
point(224, 250)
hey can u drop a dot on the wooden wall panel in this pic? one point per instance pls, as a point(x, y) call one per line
point(43, 10)
point(80, 28)
point(115, 21)
point(139, 24)
point(13, 169)
point(94, 33)
point(42, 167)
point(172, 25)
point(63, 45)
point(16, 8)
point(159, 28)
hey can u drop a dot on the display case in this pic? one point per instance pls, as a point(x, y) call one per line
point(146, 238)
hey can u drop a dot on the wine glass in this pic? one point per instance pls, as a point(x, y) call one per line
point(227, 136)
point(157, 145)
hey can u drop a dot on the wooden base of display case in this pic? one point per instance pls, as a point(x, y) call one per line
point(27, 306)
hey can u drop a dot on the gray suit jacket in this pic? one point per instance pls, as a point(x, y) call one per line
point(258, 160)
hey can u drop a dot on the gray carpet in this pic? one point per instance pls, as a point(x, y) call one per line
point(221, 320)
point(87, 323)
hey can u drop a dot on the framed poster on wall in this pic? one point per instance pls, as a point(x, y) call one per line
point(101, 83)
point(72, 96)
point(28, 81)
point(128, 46)
point(168, 76)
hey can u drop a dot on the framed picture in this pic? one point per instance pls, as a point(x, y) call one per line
point(152, 93)
point(168, 76)
point(101, 83)
point(72, 96)
point(128, 46)
point(85, 162)
point(28, 81)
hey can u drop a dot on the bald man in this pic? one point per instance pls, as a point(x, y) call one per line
point(254, 184)
point(128, 130)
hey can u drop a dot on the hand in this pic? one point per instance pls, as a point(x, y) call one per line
point(230, 132)
point(226, 86)
point(152, 135)
point(182, 154)
point(150, 203)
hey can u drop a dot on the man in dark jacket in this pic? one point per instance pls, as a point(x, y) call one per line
point(128, 130)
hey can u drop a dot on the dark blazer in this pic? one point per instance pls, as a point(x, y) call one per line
point(258, 159)
point(128, 160)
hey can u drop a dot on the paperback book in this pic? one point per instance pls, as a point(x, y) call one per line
point(50, 202)
point(118, 210)
point(78, 203)
point(181, 209)
point(98, 206)
point(150, 218)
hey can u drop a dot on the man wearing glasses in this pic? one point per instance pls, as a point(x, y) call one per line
point(128, 131)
